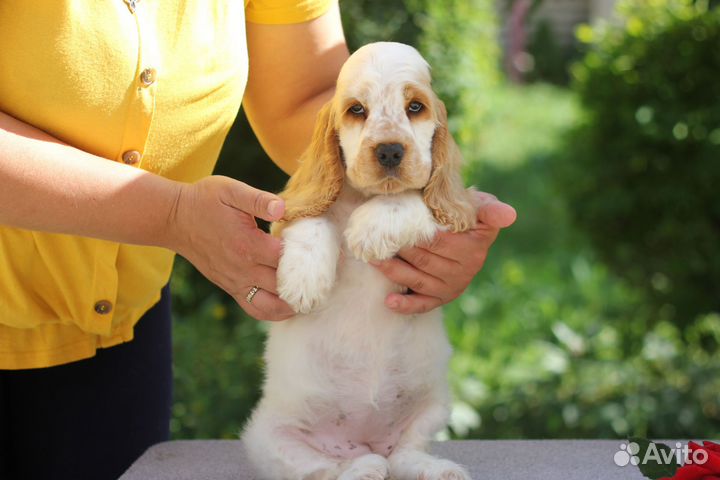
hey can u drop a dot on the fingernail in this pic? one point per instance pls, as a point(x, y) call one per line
point(275, 208)
point(393, 303)
point(374, 263)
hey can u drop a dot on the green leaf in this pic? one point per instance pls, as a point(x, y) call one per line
point(654, 466)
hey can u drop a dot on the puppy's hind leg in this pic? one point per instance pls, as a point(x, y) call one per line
point(277, 454)
point(410, 461)
point(366, 467)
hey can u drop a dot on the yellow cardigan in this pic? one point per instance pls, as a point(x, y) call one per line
point(155, 84)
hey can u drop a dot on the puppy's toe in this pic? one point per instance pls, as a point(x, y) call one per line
point(367, 467)
point(444, 470)
point(303, 293)
point(304, 286)
point(371, 245)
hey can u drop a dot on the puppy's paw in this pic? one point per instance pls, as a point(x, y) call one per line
point(307, 268)
point(367, 467)
point(383, 225)
point(304, 287)
point(373, 243)
point(444, 470)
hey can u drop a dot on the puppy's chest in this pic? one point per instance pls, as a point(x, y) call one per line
point(356, 365)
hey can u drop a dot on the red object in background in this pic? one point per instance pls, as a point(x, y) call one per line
point(518, 39)
point(709, 470)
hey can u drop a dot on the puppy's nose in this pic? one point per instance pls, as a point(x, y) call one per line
point(389, 154)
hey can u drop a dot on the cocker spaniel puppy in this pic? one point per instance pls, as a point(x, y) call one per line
point(353, 390)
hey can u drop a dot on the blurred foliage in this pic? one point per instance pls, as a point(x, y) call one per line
point(643, 168)
point(459, 39)
point(550, 58)
point(549, 341)
point(217, 351)
point(367, 21)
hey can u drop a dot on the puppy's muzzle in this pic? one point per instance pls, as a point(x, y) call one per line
point(389, 155)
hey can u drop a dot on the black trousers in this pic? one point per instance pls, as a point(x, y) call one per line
point(89, 419)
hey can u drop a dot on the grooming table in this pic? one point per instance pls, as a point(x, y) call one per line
point(484, 459)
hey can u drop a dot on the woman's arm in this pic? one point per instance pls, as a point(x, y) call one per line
point(293, 69)
point(49, 186)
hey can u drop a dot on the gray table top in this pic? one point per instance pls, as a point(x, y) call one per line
point(485, 459)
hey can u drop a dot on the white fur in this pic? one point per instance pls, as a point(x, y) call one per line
point(383, 225)
point(306, 272)
point(367, 467)
point(364, 378)
point(353, 390)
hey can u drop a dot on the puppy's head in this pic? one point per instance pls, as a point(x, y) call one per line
point(387, 118)
point(384, 132)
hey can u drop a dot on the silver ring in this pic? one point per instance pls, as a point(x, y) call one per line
point(251, 293)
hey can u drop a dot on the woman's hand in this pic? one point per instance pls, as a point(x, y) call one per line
point(440, 271)
point(213, 226)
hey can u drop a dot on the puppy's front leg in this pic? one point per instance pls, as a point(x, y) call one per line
point(380, 227)
point(307, 268)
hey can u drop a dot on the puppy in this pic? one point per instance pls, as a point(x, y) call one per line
point(353, 390)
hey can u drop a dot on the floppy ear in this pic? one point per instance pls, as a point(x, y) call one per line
point(444, 193)
point(316, 183)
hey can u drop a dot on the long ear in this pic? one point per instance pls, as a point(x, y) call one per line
point(444, 193)
point(316, 183)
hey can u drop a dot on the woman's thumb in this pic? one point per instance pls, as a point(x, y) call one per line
point(258, 203)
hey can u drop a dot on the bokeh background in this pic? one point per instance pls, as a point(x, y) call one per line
point(597, 313)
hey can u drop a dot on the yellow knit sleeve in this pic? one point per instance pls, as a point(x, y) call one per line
point(277, 12)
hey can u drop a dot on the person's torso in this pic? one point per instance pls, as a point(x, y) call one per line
point(154, 84)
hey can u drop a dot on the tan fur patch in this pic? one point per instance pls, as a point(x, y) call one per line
point(318, 180)
point(445, 193)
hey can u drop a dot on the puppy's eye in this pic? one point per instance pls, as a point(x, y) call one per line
point(357, 109)
point(415, 107)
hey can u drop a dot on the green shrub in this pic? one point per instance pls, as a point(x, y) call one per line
point(366, 21)
point(550, 58)
point(642, 172)
point(217, 358)
point(459, 40)
point(556, 347)
point(549, 342)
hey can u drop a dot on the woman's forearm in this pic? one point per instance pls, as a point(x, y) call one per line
point(49, 186)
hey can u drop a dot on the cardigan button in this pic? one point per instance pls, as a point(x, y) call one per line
point(131, 157)
point(132, 5)
point(148, 76)
point(103, 307)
